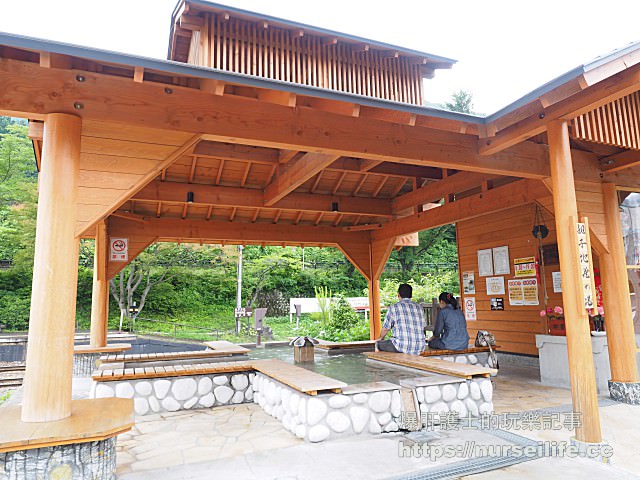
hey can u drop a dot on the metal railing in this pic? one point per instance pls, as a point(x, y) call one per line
point(134, 327)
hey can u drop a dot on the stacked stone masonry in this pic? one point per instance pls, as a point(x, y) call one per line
point(324, 416)
point(74, 461)
point(466, 397)
point(314, 418)
point(171, 394)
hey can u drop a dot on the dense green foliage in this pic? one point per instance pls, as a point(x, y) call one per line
point(194, 287)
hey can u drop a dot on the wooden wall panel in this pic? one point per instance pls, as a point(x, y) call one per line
point(515, 327)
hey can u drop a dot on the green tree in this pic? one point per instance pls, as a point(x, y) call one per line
point(18, 194)
point(461, 101)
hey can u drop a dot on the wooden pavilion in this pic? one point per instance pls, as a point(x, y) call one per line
point(258, 130)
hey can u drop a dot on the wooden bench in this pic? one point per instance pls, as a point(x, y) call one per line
point(166, 356)
point(226, 347)
point(429, 352)
point(297, 378)
point(138, 373)
point(431, 364)
point(113, 347)
point(357, 345)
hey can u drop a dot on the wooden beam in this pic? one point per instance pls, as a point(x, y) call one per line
point(286, 155)
point(242, 120)
point(620, 161)
point(173, 192)
point(434, 191)
point(295, 174)
point(513, 194)
point(210, 85)
point(594, 96)
point(279, 97)
point(234, 152)
point(216, 231)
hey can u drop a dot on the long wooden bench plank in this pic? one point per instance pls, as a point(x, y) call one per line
point(298, 378)
point(224, 346)
point(167, 356)
point(109, 375)
point(340, 345)
point(431, 364)
point(113, 347)
point(432, 352)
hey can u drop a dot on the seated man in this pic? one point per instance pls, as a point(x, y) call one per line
point(450, 331)
point(407, 320)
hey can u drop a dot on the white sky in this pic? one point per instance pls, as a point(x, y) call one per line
point(504, 48)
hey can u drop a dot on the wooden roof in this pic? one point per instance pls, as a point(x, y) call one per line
point(275, 163)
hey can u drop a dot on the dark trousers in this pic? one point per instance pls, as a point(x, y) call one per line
point(436, 343)
point(386, 346)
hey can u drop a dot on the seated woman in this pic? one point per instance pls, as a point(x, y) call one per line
point(450, 331)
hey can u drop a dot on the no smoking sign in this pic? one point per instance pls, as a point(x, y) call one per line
point(470, 308)
point(119, 249)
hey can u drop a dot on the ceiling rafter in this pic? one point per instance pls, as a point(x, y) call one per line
point(295, 174)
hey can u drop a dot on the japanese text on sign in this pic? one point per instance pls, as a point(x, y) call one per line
point(584, 259)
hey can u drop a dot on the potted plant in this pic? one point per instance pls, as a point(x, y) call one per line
point(555, 320)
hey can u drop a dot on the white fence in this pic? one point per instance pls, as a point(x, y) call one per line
point(311, 305)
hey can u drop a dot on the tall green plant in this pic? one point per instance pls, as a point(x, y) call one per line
point(323, 294)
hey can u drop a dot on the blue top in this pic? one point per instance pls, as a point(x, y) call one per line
point(451, 327)
point(407, 320)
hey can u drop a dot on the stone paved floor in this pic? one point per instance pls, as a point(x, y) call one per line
point(182, 438)
point(243, 442)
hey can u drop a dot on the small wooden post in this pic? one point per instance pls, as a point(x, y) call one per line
point(581, 369)
point(100, 293)
point(617, 301)
point(375, 323)
point(47, 381)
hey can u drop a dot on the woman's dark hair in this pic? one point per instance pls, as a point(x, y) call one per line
point(449, 299)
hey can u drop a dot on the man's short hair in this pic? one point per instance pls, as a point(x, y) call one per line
point(405, 290)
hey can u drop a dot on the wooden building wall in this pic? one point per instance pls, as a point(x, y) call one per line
point(516, 326)
point(241, 46)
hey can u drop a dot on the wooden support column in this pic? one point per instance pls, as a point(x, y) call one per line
point(378, 255)
point(617, 301)
point(581, 369)
point(47, 381)
point(100, 293)
point(370, 257)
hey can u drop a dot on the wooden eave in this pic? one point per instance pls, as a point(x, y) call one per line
point(574, 93)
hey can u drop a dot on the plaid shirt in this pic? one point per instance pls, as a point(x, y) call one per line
point(406, 318)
